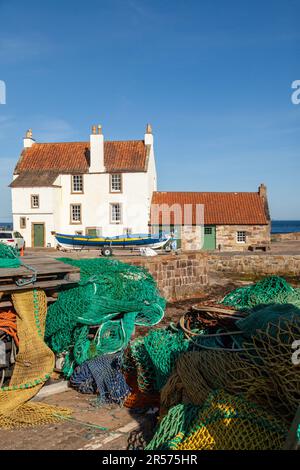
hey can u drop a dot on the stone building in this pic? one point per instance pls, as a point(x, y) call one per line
point(227, 221)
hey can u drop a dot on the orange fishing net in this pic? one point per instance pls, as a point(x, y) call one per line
point(8, 324)
point(138, 399)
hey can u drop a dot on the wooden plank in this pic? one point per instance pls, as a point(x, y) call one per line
point(55, 283)
point(43, 268)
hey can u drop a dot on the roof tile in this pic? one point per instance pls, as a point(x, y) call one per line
point(219, 208)
point(70, 157)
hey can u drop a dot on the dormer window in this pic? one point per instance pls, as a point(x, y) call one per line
point(116, 183)
point(77, 183)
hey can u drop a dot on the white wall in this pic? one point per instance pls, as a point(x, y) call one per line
point(21, 207)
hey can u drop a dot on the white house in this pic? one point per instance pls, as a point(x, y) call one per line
point(99, 186)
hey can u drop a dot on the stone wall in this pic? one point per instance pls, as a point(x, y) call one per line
point(178, 277)
point(256, 264)
point(294, 236)
point(226, 236)
point(191, 237)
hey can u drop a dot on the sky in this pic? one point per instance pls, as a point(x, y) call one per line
point(212, 77)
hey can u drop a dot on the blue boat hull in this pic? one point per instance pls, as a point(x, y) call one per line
point(81, 241)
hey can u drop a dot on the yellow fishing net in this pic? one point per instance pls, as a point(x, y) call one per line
point(223, 422)
point(34, 364)
point(228, 422)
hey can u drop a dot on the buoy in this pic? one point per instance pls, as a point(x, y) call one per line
point(22, 251)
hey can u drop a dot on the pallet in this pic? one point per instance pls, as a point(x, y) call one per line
point(51, 275)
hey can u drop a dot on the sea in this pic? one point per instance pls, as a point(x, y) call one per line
point(285, 226)
point(278, 226)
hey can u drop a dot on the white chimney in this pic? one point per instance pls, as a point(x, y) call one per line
point(148, 136)
point(28, 141)
point(97, 150)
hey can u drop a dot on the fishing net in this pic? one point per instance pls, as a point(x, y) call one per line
point(263, 372)
point(197, 373)
point(8, 325)
point(224, 422)
point(136, 398)
point(9, 257)
point(113, 296)
point(102, 375)
point(272, 289)
point(155, 355)
point(34, 364)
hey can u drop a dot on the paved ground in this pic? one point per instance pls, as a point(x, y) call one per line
point(72, 435)
point(279, 247)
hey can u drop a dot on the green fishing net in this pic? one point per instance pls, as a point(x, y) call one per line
point(112, 296)
point(155, 356)
point(9, 257)
point(271, 290)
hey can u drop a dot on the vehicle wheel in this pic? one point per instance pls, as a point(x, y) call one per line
point(107, 251)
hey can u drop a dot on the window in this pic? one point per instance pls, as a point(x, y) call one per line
point(115, 215)
point(115, 183)
point(241, 237)
point(75, 213)
point(17, 235)
point(4, 235)
point(207, 230)
point(22, 222)
point(93, 231)
point(35, 201)
point(77, 184)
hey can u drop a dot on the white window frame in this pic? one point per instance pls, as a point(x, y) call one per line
point(112, 219)
point(22, 225)
point(241, 238)
point(119, 183)
point(77, 180)
point(72, 220)
point(33, 198)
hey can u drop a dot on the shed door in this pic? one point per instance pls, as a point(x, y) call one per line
point(38, 235)
point(209, 237)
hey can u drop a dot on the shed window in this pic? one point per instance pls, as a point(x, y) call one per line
point(207, 230)
point(241, 236)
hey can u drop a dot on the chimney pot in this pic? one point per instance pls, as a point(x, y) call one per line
point(99, 129)
point(149, 129)
point(94, 130)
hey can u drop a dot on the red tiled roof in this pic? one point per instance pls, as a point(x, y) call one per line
point(66, 157)
point(219, 208)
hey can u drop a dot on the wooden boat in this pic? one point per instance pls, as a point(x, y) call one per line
point(120, 241)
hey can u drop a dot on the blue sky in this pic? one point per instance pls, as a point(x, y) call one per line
point(212, 77)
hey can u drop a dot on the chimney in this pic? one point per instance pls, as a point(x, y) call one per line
point(28, 141)
point(262, 191)
point(148, 136)
point(97, 150)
